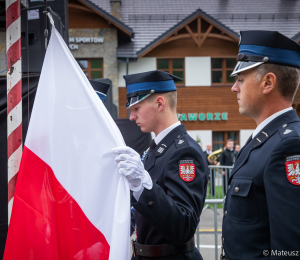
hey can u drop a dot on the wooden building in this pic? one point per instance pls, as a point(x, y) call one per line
point(195, 40)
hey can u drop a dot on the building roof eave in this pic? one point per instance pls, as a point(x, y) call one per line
point(169, 32)
point(116, 22)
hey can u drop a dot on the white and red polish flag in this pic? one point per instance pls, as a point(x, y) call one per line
point(70, 201)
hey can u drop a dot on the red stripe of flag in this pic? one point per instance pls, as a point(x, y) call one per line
point(47, 223)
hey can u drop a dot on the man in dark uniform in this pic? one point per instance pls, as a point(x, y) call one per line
point(100, 88)
point(169, 203)
point(261, 212)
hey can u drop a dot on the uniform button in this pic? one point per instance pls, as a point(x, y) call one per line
point(225, 213)
point(236, 189)
point(285, 125)
point(150, 203)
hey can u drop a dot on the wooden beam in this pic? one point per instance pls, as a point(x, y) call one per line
point(192, 34)
point(169, 36)
point(206, 34)
point(80, 7)
point(199, 28)
point(187, 35)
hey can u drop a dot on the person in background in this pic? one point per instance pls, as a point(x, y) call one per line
point(237, 149)
point(226, 159)
point(207, 152)
point(100, 88)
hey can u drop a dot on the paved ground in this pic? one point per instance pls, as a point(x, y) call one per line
point(207, 235)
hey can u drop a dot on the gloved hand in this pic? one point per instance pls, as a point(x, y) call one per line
point(131, 166)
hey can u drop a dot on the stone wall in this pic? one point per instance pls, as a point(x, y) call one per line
point(106, 50)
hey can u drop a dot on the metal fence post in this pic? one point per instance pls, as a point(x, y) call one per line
point(216, 231)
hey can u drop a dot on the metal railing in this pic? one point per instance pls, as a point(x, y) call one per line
point(215, 195)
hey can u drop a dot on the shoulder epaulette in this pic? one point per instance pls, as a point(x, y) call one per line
point(181, 141)
point(286, 131)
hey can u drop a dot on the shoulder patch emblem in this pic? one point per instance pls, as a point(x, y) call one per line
point(187, 170)
point(292, 169)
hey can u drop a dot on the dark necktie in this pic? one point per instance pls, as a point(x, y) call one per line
point(152, 147)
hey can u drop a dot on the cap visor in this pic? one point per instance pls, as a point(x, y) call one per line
point(134, 100)
point(244, 65)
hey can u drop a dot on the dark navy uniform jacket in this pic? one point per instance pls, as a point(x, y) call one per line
point(262, 207)
point(169, 212)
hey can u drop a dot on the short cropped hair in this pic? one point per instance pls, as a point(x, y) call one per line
point(288, 78)
point(229, 140)
point(171, 98)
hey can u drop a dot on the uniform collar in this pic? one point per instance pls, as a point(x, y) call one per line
point(163, 145)
point(268, 120)
point(164, 133)
point(269, 130)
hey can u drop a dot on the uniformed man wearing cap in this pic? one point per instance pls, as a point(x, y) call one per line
point(100, 88)
point(261, 212)
point(169, 186)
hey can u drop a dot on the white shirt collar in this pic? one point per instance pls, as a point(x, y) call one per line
point(163, 133)
point(268, 120)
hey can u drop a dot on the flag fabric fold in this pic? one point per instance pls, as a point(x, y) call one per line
point(70, 201)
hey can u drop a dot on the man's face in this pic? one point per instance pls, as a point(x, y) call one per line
point(208, 147)
point(144, 114)
point(248, 93)
point(230, 145)
point(237, 148)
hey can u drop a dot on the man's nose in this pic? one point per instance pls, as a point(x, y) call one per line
point(132, 116)
point(235, 87)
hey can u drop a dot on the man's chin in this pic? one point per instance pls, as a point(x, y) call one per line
point(144, 129)
point(243, 112)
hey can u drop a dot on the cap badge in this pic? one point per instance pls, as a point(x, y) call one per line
point(240, 56)
point(180, 142)
point(265, 59)
point(292, 169)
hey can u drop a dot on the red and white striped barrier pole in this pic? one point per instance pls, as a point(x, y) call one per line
point(14, 95)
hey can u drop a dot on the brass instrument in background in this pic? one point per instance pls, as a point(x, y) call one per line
point(213, 157)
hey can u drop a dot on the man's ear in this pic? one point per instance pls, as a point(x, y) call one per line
point(161, 103)
point(269, 82)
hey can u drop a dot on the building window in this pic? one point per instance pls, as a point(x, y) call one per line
point(220, 139)
point(172, 66)
point(92, 68)
point(221, 70)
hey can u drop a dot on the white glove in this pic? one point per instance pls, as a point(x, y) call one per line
point(131, 166)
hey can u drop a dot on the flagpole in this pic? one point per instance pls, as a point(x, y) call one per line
point(14, 95)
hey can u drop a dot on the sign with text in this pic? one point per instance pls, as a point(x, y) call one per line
point(75, 40)
point(217, 116)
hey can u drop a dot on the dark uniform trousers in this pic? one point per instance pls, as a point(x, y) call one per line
point(262, 208)
point(170, 212)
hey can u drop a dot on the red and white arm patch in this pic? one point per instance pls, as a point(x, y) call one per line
point(292, 166)
point(187, 170)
